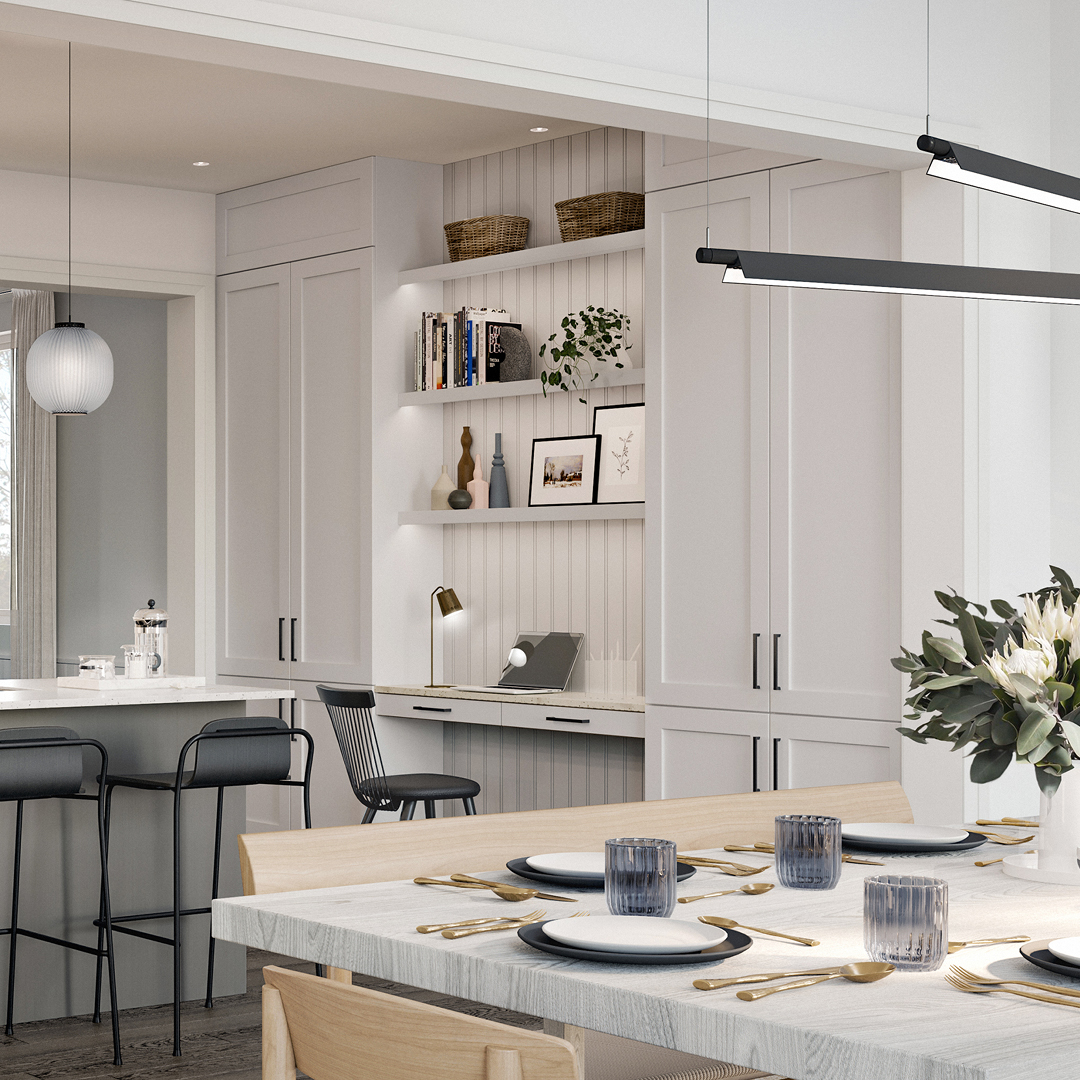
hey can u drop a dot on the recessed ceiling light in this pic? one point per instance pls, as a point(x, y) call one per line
point(200, 164)
point(538, 129)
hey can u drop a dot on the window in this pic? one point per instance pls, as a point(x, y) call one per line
point(6, 487)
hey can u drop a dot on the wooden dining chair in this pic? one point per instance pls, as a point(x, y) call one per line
point(335, 1032)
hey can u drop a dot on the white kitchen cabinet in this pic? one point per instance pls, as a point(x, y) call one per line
point(818, 751)
point(293, 469)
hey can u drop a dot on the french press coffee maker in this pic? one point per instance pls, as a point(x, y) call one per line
point(151, 634)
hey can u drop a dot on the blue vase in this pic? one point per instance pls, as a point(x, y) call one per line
point(498, 492)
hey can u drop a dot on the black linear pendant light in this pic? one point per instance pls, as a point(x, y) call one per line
point(881, 276)
point(976, 168)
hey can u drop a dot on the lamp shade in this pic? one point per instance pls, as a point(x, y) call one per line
point(69, 369)
point(448, 602)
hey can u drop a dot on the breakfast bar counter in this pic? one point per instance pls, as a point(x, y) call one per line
point(143, 731)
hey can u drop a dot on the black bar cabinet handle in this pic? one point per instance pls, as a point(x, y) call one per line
point(776, 764)
point(776, 661)
point(292, 639)
point(568, 720)
point(429, 708)
point(757, 685)
point(757, 739)
point(281, 639)
point(292, 716)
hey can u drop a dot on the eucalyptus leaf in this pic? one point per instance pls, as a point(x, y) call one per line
point(944, 681)
point(1033, 731)
point(1048, 781)
point(1072, 733)
point(1003, 733)
point(948, 649)
point(988, 765)
point(969, 632)
point(1063, 690)
point(1005, 610)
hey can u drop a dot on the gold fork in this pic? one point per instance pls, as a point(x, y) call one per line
point(431, 928)
point(1001, 858)
point(998, 838)
point(737, 869)
point(983, 980)
point(956, 946)
point(971, 988)
point(509, 924)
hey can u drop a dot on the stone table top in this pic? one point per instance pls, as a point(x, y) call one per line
point(23, 694)
point(910, 1026)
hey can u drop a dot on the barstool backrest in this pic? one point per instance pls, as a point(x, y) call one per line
point(350, 713)
point(247, 759)
point(39, 772)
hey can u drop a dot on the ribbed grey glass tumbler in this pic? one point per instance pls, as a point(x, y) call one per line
point(808, 851)
point(906, 921)
point(639, 876)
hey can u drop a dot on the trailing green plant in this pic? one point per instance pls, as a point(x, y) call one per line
point(1008, 688)
point(593, 335)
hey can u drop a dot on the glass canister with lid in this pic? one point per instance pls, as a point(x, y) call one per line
point(151, 631)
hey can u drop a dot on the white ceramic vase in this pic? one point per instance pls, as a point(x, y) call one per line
point(1059, 826)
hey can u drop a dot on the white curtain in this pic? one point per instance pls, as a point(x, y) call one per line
point(33, 579)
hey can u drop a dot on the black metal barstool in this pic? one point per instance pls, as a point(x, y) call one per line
point(350, 713)
point(235, 752)
point(47, 763)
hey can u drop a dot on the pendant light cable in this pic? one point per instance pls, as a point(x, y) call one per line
point(69, 182)
point(708, 102)
point(927, 67)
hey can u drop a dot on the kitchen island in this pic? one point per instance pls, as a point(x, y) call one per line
point(143, 731)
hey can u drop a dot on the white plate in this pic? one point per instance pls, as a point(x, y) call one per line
point(1066, 948)
point(634, 933)
point(895, 830)
point(589, 864)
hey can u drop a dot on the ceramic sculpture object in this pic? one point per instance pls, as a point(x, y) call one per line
point(498, 490)
point(517, 364)
point(465, 464)
point(478, 487)
point(443, 486)
point(459, 499)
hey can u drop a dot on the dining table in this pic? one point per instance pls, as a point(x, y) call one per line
point(908, 1026)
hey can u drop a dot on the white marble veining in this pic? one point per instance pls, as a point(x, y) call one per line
point(23, 694)
point(910, 1026)
point(555, 701)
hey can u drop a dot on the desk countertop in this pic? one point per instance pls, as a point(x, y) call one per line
point(23, 694)
point(558, 701)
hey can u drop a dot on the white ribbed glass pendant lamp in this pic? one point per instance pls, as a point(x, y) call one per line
point(69, 370)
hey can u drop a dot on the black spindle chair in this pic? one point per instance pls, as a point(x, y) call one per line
point(234, 752)
point(350, 713)
point(47, 763)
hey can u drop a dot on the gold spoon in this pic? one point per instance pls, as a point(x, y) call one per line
point(750, 890)
point(503, 892)
point(861, 973)
point(956, 946)
point(1001, 858)
point(731, 924)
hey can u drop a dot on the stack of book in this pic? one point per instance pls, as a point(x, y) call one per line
point(459, 348)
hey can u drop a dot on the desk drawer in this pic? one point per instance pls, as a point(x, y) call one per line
point(584, 721)
point(453, 710)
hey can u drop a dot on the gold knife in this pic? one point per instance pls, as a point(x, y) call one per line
point(475, 882)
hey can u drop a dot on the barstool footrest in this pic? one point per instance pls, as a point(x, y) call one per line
point(158, 915)
point(59, 941)
point(142, 934)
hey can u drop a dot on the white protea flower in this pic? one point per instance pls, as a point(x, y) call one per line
point(1050, 623)
point(1036, 659)
point(1074, 650)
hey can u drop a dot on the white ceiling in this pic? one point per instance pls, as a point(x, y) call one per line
point(144, 119)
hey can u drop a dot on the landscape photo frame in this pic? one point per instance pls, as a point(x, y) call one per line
point(564, 470)
point(621, 475)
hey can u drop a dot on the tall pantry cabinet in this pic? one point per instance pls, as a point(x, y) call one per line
point(302, 529)
point(774, 492)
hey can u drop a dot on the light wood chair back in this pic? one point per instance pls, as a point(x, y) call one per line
point(335, 1032)
point(357, 854)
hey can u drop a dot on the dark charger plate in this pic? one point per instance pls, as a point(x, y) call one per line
point(1036, 952)
point(568, 881)
point(914, 847)
point(534, 935)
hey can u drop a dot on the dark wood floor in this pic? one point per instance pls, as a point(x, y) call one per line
point(223, 1042)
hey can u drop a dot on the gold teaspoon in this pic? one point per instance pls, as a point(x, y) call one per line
point(750, 890)
point(864, 972)
point(731, 924)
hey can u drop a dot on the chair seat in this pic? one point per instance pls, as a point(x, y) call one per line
point(151, 781)
point(420, 787)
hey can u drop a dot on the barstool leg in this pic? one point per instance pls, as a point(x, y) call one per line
point(14, 935)
point(209, 1002)
point(369, 816)
point(429, 808)
point(470, 806)
point(407, 810)
point(176, 924)
point(106, 917)
point(101, 912)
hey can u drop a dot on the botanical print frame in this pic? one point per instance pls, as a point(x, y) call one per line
point(564, 470)
point(622, 452)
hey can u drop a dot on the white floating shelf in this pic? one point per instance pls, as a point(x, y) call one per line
point(517, 260)
point(606, 511)
point(624, 377)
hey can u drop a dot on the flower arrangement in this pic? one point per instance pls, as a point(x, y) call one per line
point(594, 334)
point(1008, 687)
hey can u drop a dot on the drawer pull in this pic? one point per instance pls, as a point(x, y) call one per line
point(568, 720)
point(430, 708)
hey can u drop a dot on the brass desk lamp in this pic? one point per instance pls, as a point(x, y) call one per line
point(448, 604)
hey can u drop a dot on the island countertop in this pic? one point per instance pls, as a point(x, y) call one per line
point(22, 694)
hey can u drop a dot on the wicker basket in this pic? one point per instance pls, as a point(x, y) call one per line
point(599, 215)
point(479, 236)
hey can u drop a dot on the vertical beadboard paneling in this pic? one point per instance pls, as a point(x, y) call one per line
point(524, 769)
point(585, 577)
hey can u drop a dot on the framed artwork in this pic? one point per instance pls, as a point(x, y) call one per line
point(564, 471)
point(621, 429)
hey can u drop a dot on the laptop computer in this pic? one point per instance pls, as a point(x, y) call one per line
point(549, 660)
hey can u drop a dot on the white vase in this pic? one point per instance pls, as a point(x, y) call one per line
point(1059, 826)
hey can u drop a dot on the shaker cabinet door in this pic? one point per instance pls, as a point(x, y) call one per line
point(707, 528)
point(253, 472)
point(820, 751)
